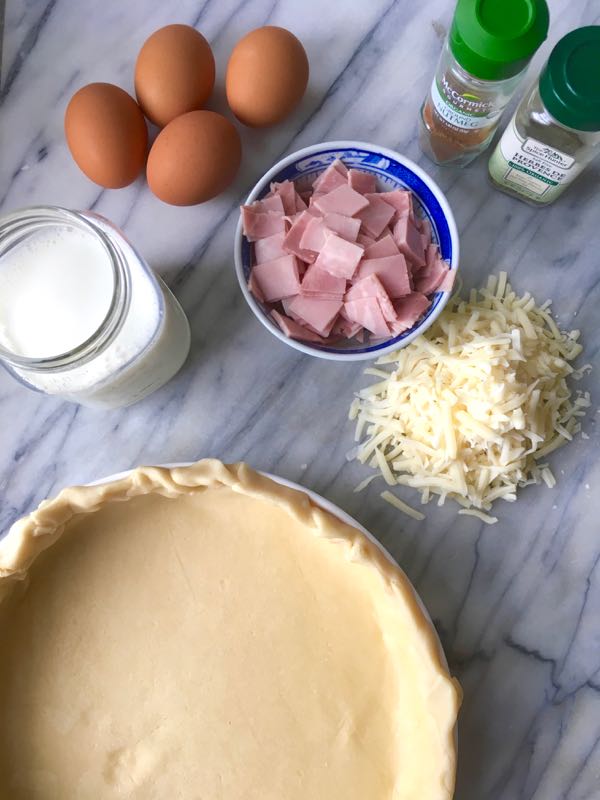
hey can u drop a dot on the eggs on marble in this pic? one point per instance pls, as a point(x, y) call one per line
point(106, 134)
point(198, 152)
point(194, 158)
point(267, 75)
point(174, 73)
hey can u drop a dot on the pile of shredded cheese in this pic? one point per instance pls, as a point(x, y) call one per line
point(471, 409)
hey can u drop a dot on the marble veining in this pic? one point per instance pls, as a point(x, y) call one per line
point(517, 604)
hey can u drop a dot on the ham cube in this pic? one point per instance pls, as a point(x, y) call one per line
point(371, 286)
point(269, 249)
point(291, 243)
point(447, 283)
point(376, 216)
point(272, 203)
point(294, 330)
point(366, 312)
point(286, 191)
point(392, 271)
point(343, 327)
point(343, 200)
point(259, 225)
point(255, 288)
point(432, 254)
point(411, 308)
point(382, 247)
point(409, 243)
point(320, 315)
point(339, 257)
point(363, 182)
point(328, 180)
point(314, 235)
point(318, 282)
point(430, 278)
point(346, 227)
point(401, 200)
point(365, 241)
point(277, 279)
point(300, 204)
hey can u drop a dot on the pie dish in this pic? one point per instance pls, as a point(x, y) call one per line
point(205, 632)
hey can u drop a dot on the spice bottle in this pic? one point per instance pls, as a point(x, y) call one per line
point(483, 60)
point(555, 130)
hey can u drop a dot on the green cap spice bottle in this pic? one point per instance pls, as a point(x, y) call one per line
point(483, 60)
point(555, 131)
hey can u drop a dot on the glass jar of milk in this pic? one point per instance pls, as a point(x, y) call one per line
point(82, 316)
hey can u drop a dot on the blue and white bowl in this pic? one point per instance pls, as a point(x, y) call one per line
point(393, 171)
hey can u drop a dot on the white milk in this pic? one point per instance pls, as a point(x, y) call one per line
point(56, 289)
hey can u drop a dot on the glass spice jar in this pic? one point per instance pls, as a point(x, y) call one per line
point(483, 60)
point(555, 131)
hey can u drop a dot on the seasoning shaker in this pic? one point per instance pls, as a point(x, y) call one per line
point(555, 131)
point(483, 60)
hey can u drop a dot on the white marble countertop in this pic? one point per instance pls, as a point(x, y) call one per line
point(516, 604)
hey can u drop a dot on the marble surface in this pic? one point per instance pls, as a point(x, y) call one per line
point(517, 604)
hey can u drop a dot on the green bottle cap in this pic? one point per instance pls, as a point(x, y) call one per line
point(495, 39)
point(570, 81)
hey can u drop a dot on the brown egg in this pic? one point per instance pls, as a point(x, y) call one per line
point(106, 134)
point(174, 73)
point(194, 158)
point(266, 76)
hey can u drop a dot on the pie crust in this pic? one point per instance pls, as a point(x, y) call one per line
point(216, 636)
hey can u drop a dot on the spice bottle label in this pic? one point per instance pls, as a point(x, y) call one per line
point(530, 167)
point(462, 109)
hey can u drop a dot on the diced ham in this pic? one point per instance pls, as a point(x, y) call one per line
point(371, 286)
point(447, 283)
point(277, 279)
point(294, 330)
point(300, 204)
point(270, 248)
point(343, 327)
point(343, 200)
point(408, 239)
point(339, 257)
point(392, 271)
point(318, 282)
point(340, 166)
point(363, 182)
point(314, 235)
point(319, 314)
point(346, 227)
point(287, 192)
point(272, 203)
point(411, 308)
point(401, 200)
point(432, 254)
point(364, 240)
point(382, 247)
point(328, 180)
point(376, 216)
point(260, 225)
point(366, 311)
point(341, 260)
point(255, 288)
point(429, 279)
point(291, 243)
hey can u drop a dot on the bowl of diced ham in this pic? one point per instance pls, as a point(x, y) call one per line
point(346, 250)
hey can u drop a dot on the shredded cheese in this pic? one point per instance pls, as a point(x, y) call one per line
point(469, 409)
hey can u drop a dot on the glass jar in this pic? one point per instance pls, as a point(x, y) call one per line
point(482, 62)
point(555, 131)
point(82, 316)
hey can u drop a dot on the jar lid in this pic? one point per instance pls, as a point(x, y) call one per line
point(570, 81)
point(495, 39)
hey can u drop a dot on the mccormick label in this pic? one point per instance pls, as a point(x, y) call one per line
point(461, 110)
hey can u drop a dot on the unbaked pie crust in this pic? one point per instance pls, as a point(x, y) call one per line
point(204, 633)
